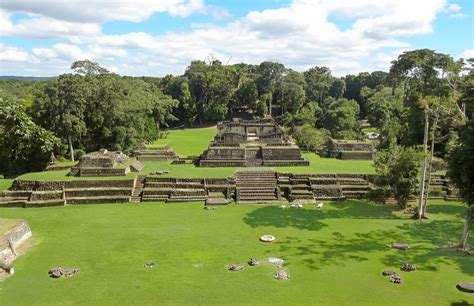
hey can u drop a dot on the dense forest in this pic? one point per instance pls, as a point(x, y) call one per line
point(91, 108)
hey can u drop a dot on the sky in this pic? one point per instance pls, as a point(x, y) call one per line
point(155, 38)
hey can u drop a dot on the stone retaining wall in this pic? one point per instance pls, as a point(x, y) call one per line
point(16, 236)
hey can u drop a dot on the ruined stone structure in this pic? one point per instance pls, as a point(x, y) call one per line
point(155, 154)
point(11, 240)
point(262, 185)
point(351, 149)
point(105, 163)
point(251, 143)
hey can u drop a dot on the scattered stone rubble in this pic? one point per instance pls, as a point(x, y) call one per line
point(58, 272)
point(253, 262)
point(394, 277)
point(408, 267)
point(235, 267)
point(282, 275)
point(400, 246)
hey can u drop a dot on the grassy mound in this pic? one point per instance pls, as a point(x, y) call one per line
point(335, 255)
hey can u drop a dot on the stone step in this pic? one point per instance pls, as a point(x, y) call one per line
point(97, 200)
point(44, 203)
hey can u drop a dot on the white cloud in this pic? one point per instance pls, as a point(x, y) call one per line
point(45, 27)
point(13, 54)
point(66, 52)
point(454, 7)
point(468, 53)
point(300, 35)
point(90, 11)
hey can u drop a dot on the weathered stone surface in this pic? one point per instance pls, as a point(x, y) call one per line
point(251, 143)
point(400, 246)
point(253, 262)
point(58, 272)
point(395, 278)
point(235, 267)
point(282, 275)
point(276, 261)
point(388, 272)
point(408, 267)
point(466, 286)
point(267, 238)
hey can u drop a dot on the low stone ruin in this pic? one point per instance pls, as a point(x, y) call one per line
point(58, 272)
point(235, 267)
point(165, 153)
point(251, 143)
point(394, 277)
point(282, 275)
point(351, 149)
point(253, 262)
point(400, 246)
point(408, 267)
point(106, 163)
point(466, 287)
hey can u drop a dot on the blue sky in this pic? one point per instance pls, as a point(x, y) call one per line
point(43, 37)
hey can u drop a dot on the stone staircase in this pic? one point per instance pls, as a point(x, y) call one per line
point(138, 189)
point(300, 189)
point(256, 186)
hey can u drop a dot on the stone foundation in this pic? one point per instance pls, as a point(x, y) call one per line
point(13, 239)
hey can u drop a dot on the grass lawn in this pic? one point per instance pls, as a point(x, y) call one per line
point(335, 255)
point(5, 184)
point(188, 142)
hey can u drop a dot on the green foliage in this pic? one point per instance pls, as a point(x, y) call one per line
point(341, 118)
point(311, 139)
point(397, 169)
point(103, 110)
point(461, 164)
point(24, 146)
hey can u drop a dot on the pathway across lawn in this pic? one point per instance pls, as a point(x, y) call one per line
point(335, 255)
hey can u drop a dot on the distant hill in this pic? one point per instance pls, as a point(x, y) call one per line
point(24, 78)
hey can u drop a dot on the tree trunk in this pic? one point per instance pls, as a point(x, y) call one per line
point(430, 170)
point(423, 171)
point(464, 244)
point(71, 149)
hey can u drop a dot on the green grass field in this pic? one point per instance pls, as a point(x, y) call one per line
point(5, 183)
point(335, 256)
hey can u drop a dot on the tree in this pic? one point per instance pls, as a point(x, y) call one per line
point(88, 67)
point(311, 139)
point(341, 118)
point(60, 107)
point(397, 169)
point(461, 174)
point(24, 146)
point(318, 80)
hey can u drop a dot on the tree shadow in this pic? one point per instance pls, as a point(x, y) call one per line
point(309, 219)
point(461, 303)
point(429, 241)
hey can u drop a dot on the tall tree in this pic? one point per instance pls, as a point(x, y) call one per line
point(61, 107)
point(24, 146)
point(461, 174)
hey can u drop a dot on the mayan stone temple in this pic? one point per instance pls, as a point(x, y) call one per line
point(251, 143)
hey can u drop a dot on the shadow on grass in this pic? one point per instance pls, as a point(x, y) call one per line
point(429, 241)
point(310, 219)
